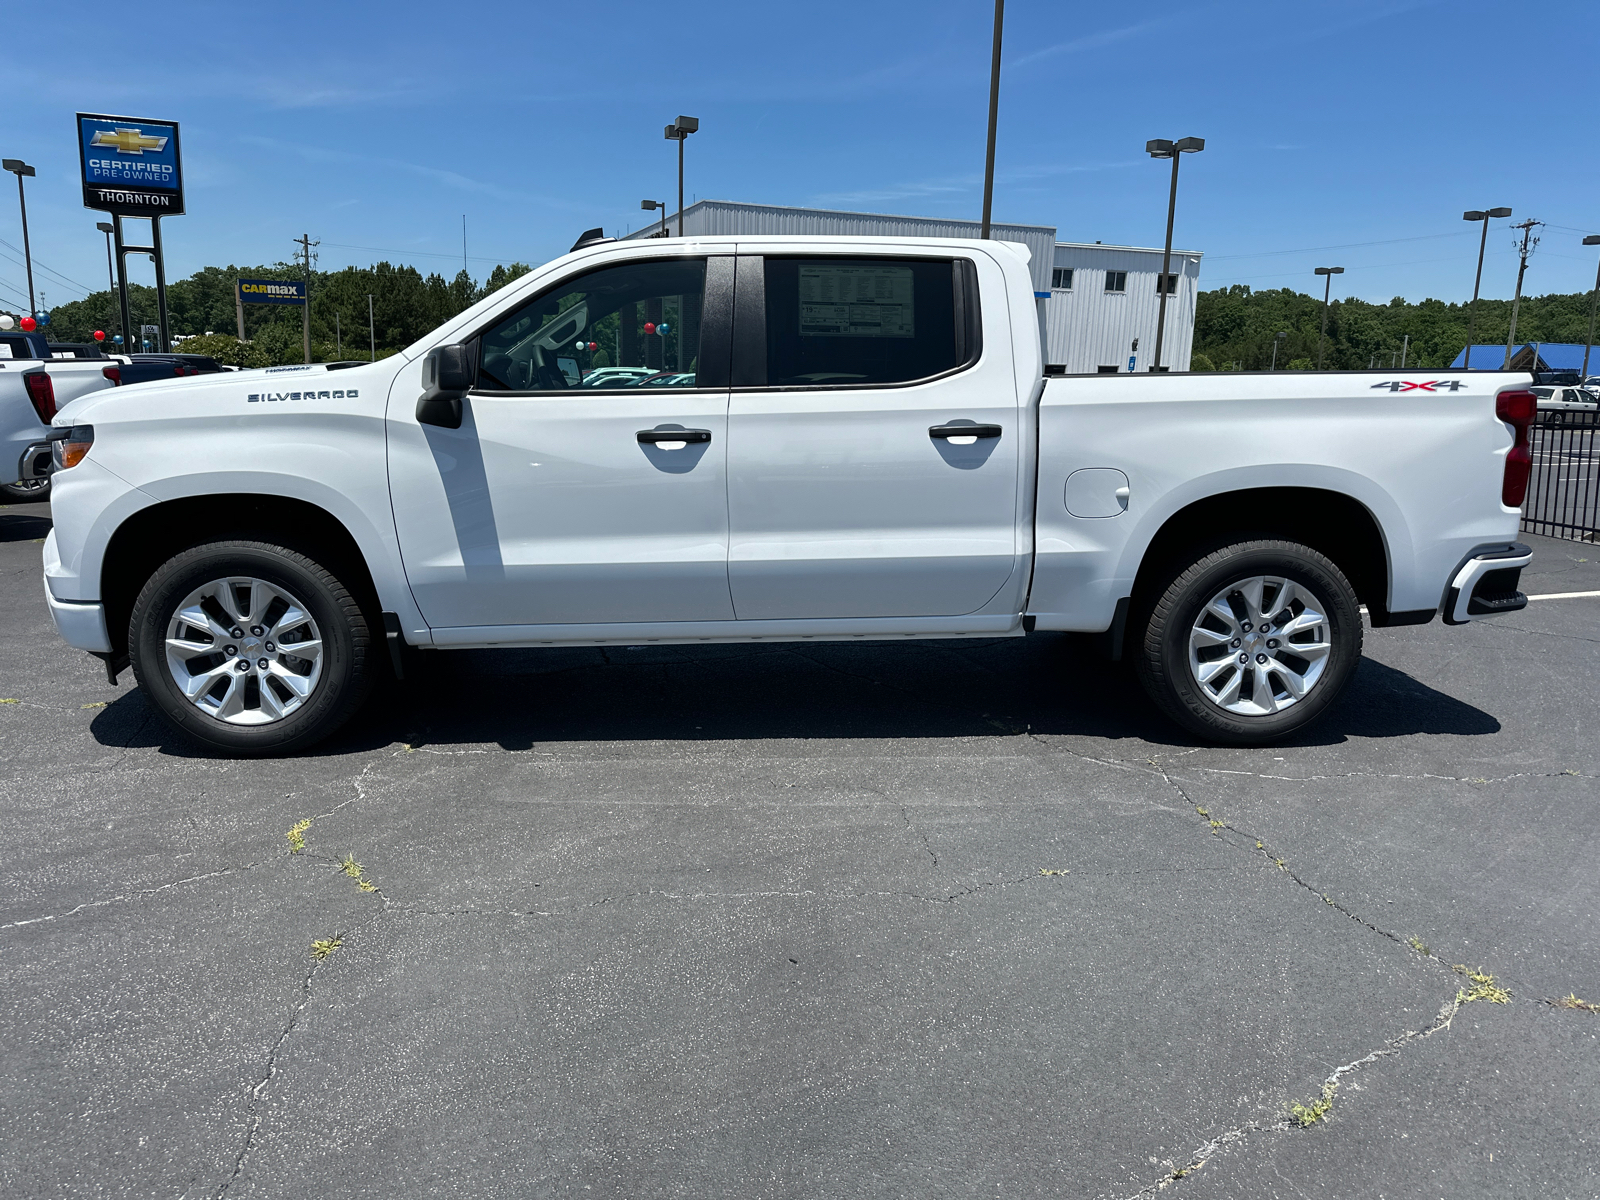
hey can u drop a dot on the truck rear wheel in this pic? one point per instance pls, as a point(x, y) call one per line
point(250, 648)
point(1251, 642)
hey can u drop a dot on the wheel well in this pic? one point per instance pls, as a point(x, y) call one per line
point(1329, 522)
point(153, 535)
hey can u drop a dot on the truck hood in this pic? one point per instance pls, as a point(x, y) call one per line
point(137, 400)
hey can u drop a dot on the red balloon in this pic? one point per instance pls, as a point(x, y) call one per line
point(99, 335)
point(649, 326)
point(29, 325)
point(594, 345)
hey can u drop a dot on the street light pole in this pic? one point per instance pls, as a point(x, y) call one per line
point(1592, 240)
point(19, 168)
point(1327, 292)
point(652, 206)
point(1162, 148)
point(994, 116)
point(678, 132)
point(105, 227)
point(1472, 319)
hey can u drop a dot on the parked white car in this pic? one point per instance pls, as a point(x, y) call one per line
point(866, 447)
point(36, 381)
point(1556, 399)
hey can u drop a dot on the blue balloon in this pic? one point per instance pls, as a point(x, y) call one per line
point(663, 329)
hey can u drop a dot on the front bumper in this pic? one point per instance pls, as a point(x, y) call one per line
point(80, 625)
point(1485, 585)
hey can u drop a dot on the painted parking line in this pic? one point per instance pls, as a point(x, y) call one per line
point(1565, 596)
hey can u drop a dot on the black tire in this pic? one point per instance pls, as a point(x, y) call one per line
point(26, 490)
point(1163, 658)
point(345, 634)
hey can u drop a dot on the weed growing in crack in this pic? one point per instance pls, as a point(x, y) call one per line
point(1052, 871)
point(1419, 946)
point(323, 947)
point(1216, 825)
point(1259, 846)
point(1570, 1000)
point(1483, 987)
point(1204, 812)
point(297, 835)
point(96, 704)
point(9, 700)
point(350, 866)
point(1307, 1115)
point(366, 885)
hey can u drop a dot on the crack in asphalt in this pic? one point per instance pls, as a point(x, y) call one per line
point(127, 897)
point(271, 1073)
point(1232, 1137)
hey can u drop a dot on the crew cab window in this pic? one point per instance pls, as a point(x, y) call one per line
point(632, 325)
point(835, 322)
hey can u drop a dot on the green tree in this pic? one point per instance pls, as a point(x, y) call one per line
point(226, 348)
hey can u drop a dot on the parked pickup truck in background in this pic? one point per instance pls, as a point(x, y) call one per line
point(36, 379)
point(860, 442)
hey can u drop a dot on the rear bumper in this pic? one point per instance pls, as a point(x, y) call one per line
point(1485, 585)
point(34, 462)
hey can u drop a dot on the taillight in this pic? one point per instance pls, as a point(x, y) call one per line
point(1518, 410)
point(114, 374)
point(43, 394)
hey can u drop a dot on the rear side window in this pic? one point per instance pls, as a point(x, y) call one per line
point(837, 322)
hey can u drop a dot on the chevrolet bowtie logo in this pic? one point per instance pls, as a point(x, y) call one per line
point(127, 141)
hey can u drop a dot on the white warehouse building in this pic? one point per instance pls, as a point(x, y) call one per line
point(1093, 300)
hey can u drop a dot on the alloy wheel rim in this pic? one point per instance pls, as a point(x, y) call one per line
point(1260, 645)
point(244, 651)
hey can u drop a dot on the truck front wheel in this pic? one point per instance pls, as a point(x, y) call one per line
point(249, 648)
point(1251, 642)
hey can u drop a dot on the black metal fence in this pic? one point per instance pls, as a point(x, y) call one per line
point(1564, 491)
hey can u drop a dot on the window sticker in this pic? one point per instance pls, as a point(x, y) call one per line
point(837, 301)
point(5, 349)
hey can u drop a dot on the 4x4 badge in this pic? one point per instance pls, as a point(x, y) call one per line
point(1405, 385)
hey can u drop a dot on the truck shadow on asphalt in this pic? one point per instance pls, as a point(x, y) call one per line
point(519, 699)
point(24, 521)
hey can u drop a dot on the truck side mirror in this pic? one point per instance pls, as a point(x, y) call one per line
point(446, 378)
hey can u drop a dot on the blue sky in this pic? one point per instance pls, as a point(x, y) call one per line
point(1348, 133)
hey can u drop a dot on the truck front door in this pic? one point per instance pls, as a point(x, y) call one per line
point(562, 504)
point(855, 488)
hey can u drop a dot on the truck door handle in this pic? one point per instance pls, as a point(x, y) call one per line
point(964, 435)
point(672, 439)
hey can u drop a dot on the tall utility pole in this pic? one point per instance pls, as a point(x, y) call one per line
point(305, 243)
point(372, 329)
point(1592, 240)
point(1277, 338)
point(1327, 292)
point(1529, 244)
point(463, 241)
point(994, 115)
point(338, 336)
point(1472, 320)
point(1161, 148)
point(19, 168)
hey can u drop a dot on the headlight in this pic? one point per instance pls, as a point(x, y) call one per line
point(69, 446)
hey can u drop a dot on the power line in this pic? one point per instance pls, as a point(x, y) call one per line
point(415, 253)
point(48, 270)
point(1426, 237)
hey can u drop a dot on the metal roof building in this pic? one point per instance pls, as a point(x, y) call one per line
point(1093, 300)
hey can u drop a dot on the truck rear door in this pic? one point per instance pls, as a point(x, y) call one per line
point(854, 488)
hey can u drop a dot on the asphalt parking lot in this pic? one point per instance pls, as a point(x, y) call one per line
point(820, 920)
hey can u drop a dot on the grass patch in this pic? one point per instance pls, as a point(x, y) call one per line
point(1052, 871)
point(1571, 1001)
point(1307, 1115)
point(350, 866)
point(1483, 987)
point(297, 835)
point(323, 947)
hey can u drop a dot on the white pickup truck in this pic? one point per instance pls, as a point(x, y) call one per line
point(36, 380)
point(837, 438)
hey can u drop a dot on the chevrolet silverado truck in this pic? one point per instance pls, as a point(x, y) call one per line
point(37, 377)
point(844, 439)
